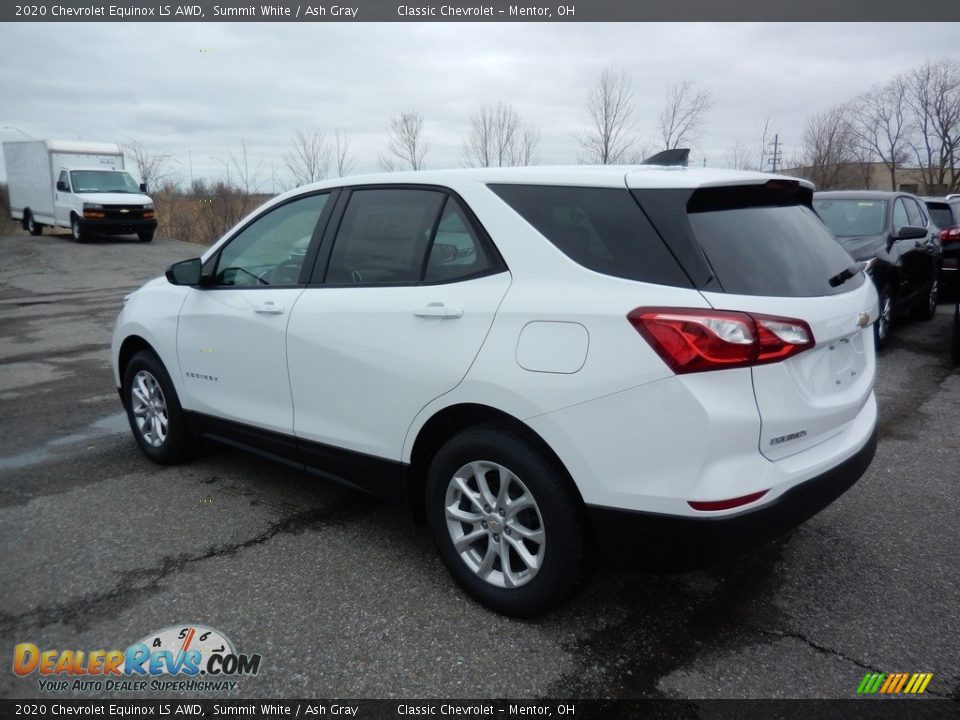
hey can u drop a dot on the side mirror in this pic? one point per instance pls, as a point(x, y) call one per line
point(909, 232)
point(62, 186)
point(143, 187)
point(186, 272)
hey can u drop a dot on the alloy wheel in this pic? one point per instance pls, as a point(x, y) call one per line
point(149, 408)
point(495, 524)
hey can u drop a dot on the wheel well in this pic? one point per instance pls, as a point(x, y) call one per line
point(130, 347)
point(453, 420)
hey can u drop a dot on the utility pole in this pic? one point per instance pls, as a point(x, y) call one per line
point(190, 161)
point(777, 155)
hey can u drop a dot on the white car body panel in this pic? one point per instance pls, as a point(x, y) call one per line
point(547, 343)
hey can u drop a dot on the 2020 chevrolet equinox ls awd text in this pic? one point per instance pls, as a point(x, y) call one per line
point(544, 362)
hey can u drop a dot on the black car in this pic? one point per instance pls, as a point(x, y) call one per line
point(893, 228)
point(945, 214)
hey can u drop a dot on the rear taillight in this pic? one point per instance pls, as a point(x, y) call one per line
point(691, 340)
point(950, 235)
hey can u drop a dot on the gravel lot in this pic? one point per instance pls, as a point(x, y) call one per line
point(345, 598)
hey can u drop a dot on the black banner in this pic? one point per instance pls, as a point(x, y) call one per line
point(479, 11)
point(925, 708)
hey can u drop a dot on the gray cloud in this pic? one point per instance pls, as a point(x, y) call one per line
point(199, 88)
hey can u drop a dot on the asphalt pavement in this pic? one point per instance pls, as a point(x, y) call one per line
point(344, 597)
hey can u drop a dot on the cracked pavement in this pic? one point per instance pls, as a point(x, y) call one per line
point(343, 597)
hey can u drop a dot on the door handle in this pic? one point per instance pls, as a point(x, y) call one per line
point(269, 308)
point(439, 310)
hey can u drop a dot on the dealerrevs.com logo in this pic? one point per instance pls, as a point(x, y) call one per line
point(185, 657)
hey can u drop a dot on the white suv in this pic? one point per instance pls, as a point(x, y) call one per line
point(541, 361)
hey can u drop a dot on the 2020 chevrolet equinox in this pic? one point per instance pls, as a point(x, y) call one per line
point(543, 362)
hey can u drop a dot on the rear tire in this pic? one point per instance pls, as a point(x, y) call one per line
point(154, 412)
point(76, 230)
point(31, 225)
point(529, 541)
point(881, 328)
point(145, 236)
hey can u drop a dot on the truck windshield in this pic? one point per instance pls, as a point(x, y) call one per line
point(102, 181)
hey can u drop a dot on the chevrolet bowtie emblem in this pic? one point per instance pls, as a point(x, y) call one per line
point(863, 319)
point(124, 210)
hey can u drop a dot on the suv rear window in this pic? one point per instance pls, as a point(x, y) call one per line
point(766, 241)
point(942, 215)
point(602, 229)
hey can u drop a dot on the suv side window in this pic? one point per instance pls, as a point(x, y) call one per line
point(456, 251)
point(915, 214)
point(270, 251)
point(384, 237)
point(900, 217)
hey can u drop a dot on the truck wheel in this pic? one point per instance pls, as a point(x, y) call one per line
point(31, 225)
point(145, 236)
point(78, 234)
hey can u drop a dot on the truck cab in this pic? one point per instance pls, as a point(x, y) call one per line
point(102, 201)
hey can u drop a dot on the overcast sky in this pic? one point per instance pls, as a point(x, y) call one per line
point(261, 82)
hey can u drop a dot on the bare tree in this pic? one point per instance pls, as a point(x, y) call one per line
point(343, 157)
point(499, 138)
point(407, 145)
point(681, 121)
point(610, 107)
point(310, 157)
point(829, 153)
point(880, 124)
point(155, 169)
point(933, 97)
point(752, 156)
point(248, 175)
point(739, 157)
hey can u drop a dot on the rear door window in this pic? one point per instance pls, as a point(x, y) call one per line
point(602, 229)
point(762, 241)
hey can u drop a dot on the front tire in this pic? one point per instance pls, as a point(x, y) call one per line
point(76, 230)
point(505, 522)
point(929, 308)
point(955, 336)
point(153, 410)
point(881, 328)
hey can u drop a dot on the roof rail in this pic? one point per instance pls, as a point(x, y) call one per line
point(674, 156)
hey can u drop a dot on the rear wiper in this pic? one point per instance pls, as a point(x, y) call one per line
point(841, 277)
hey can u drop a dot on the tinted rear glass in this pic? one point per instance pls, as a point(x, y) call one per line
point(757, 246)
point(602, 229)
point(941, 215)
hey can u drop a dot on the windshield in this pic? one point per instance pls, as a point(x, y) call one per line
point(852, 218)
point(102, 181)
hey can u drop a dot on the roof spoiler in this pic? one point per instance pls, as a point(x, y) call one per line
point(675, 156)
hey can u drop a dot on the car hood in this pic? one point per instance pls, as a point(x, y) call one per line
point(864, 247)
point(115, 198)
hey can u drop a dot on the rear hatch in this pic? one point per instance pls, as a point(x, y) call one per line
point(759, 248)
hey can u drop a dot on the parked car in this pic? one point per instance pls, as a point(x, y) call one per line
point(893, 230)
point(945, 214)
point(538, 361)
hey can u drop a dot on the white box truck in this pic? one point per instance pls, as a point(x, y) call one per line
point(76, 185)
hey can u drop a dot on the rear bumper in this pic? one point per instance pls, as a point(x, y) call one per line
point(654, 539)
point(119, 227)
